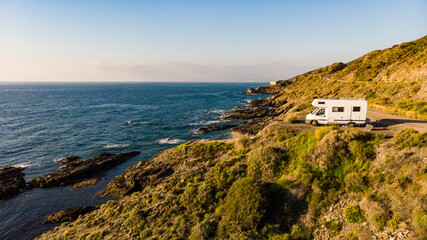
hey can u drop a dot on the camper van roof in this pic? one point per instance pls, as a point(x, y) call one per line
point(354, 99)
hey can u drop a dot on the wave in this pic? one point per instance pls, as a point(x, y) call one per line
point(215, 111)
point(208, 122)
point(170, 141)
point(114, 146)
point(24, 165)
point(137, 122)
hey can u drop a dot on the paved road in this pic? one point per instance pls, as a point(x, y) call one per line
point(390, 123)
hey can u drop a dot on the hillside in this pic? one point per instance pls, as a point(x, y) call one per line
point(393, 80)
point(286, 181)
point(280, 184)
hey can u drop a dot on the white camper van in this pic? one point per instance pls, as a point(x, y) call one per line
point(338, 111)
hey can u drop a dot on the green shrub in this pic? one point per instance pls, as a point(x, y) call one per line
point(134, 221)
point(300, 232)
point(265, 162)
point(354, 214)
point(244, 203)
point(284, 236)
point(204, 229)
point(354, 182)
point(410, 138)
point(360, 150)
point(351, 236)
point(380, 220)
point(394, 222)
point(334, 226)
point(284, 134)
point(421, 219)
point(421, 223)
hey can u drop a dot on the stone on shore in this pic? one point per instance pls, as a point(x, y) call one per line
point(69, 214)
point(69, 159)
point(86, 182)
point(12, 182)
point(78, 170)
point(216, 128)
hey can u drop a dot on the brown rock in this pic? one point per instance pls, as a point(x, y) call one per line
point(216, 128)
point(70, 214)
point(69, 159)
point(77, 171)
point(12, 182)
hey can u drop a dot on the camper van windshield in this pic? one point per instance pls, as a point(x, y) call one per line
point(314, 111)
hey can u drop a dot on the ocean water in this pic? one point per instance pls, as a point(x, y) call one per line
point(42, 123)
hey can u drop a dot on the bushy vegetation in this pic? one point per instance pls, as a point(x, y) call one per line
point(391, 80)
point(354, 214)
point(243, 208)
point(265, 162)
point(279, 185)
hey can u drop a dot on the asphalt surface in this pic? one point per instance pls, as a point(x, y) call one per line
point(389, 123)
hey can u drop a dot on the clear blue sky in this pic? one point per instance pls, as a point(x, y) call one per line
point(195, 40)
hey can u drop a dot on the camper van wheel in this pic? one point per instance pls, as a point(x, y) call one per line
point(314, 123)
point(351, 124)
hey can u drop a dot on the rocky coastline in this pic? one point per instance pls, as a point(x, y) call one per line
point(12, 182)
point(75, 171)
point(69, 214)
point(249, 119)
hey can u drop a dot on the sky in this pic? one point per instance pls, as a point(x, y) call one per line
point(137, 41)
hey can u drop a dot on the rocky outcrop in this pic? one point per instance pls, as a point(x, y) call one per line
point(78, 170)
point(257, 112)
point(259, 108)
point(168, 167)
point(216, 128)
point(12, 182)
point(262, 90)
point(269, 89)
point(137, 177)
point(69, 159)
point(68, 215)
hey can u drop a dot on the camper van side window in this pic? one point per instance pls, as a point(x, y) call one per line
point(337, 109)
point(356, 109)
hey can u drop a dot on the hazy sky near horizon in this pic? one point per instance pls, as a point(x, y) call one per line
point(78, 41)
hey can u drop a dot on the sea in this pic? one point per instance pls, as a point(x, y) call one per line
point(42, 123)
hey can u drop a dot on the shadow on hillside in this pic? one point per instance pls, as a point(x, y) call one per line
point(284, 209)
point(299, 121)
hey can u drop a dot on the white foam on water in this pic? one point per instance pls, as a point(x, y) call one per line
point(114, 146)
point(23, 165)
point(208, 122)
point(136, 122)
point(170, 141)
point(219, 111)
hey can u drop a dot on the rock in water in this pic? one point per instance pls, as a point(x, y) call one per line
point(69, 159)
point(11, 182)
point(216, 128)
point(68, 215)
point(77, 170)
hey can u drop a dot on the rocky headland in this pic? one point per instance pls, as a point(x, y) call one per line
point(281, 180)
point(78, 170)
point(81, 173)
point(12, 182)
point(70, 214)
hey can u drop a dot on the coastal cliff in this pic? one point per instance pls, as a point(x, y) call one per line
point(279, 179)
